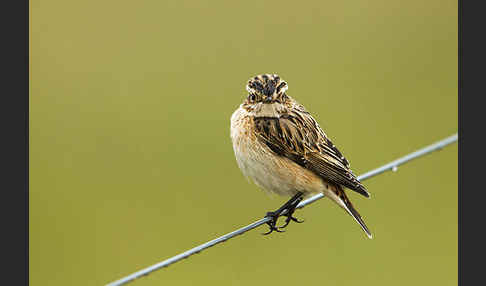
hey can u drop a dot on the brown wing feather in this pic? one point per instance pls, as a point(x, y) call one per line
point(297, 136)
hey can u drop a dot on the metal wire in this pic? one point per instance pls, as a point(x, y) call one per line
point(390, 166)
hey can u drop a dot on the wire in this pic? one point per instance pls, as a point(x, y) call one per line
point(390, 166)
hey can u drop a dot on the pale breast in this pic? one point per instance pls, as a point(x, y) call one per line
point(267, 170)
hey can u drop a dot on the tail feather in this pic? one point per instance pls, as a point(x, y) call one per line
point(345, 203)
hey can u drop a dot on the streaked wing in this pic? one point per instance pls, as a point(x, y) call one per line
point(298, 137)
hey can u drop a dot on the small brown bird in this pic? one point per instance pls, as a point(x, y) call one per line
point(280, 146)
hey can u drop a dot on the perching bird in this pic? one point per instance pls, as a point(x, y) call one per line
point(280, 146)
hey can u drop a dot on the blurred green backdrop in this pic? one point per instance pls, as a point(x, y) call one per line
point(131, 160)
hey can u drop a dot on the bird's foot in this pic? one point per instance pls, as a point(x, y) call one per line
point(273, 222)
point(290, 218)
point(290, 208)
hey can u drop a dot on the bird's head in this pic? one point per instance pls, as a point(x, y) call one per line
point(266, 89)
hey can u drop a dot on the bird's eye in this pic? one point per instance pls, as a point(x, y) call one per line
point(252, 97)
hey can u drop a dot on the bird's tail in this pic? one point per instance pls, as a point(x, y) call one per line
point(343, 201)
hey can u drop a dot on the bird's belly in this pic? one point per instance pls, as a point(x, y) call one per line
point(269, 171)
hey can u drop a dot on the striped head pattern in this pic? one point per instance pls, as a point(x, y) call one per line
point(266, 88)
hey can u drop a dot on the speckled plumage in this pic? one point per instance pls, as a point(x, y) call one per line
point(280, 146)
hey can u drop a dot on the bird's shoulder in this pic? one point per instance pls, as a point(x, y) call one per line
point(297, 130)
point(296, 135)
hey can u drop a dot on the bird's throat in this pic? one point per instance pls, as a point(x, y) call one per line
point(268, 110)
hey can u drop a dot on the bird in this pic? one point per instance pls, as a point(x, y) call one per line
point(280, 147)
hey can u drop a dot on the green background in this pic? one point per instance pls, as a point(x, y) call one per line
point(131, 160)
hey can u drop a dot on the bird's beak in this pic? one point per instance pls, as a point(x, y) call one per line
point(268, 99)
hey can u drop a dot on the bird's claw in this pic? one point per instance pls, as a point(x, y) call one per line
point(286, 210)
point(272, 223)
point(290, 218)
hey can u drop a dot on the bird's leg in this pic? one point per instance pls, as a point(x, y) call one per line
point(291, 210)
point(290, 206)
